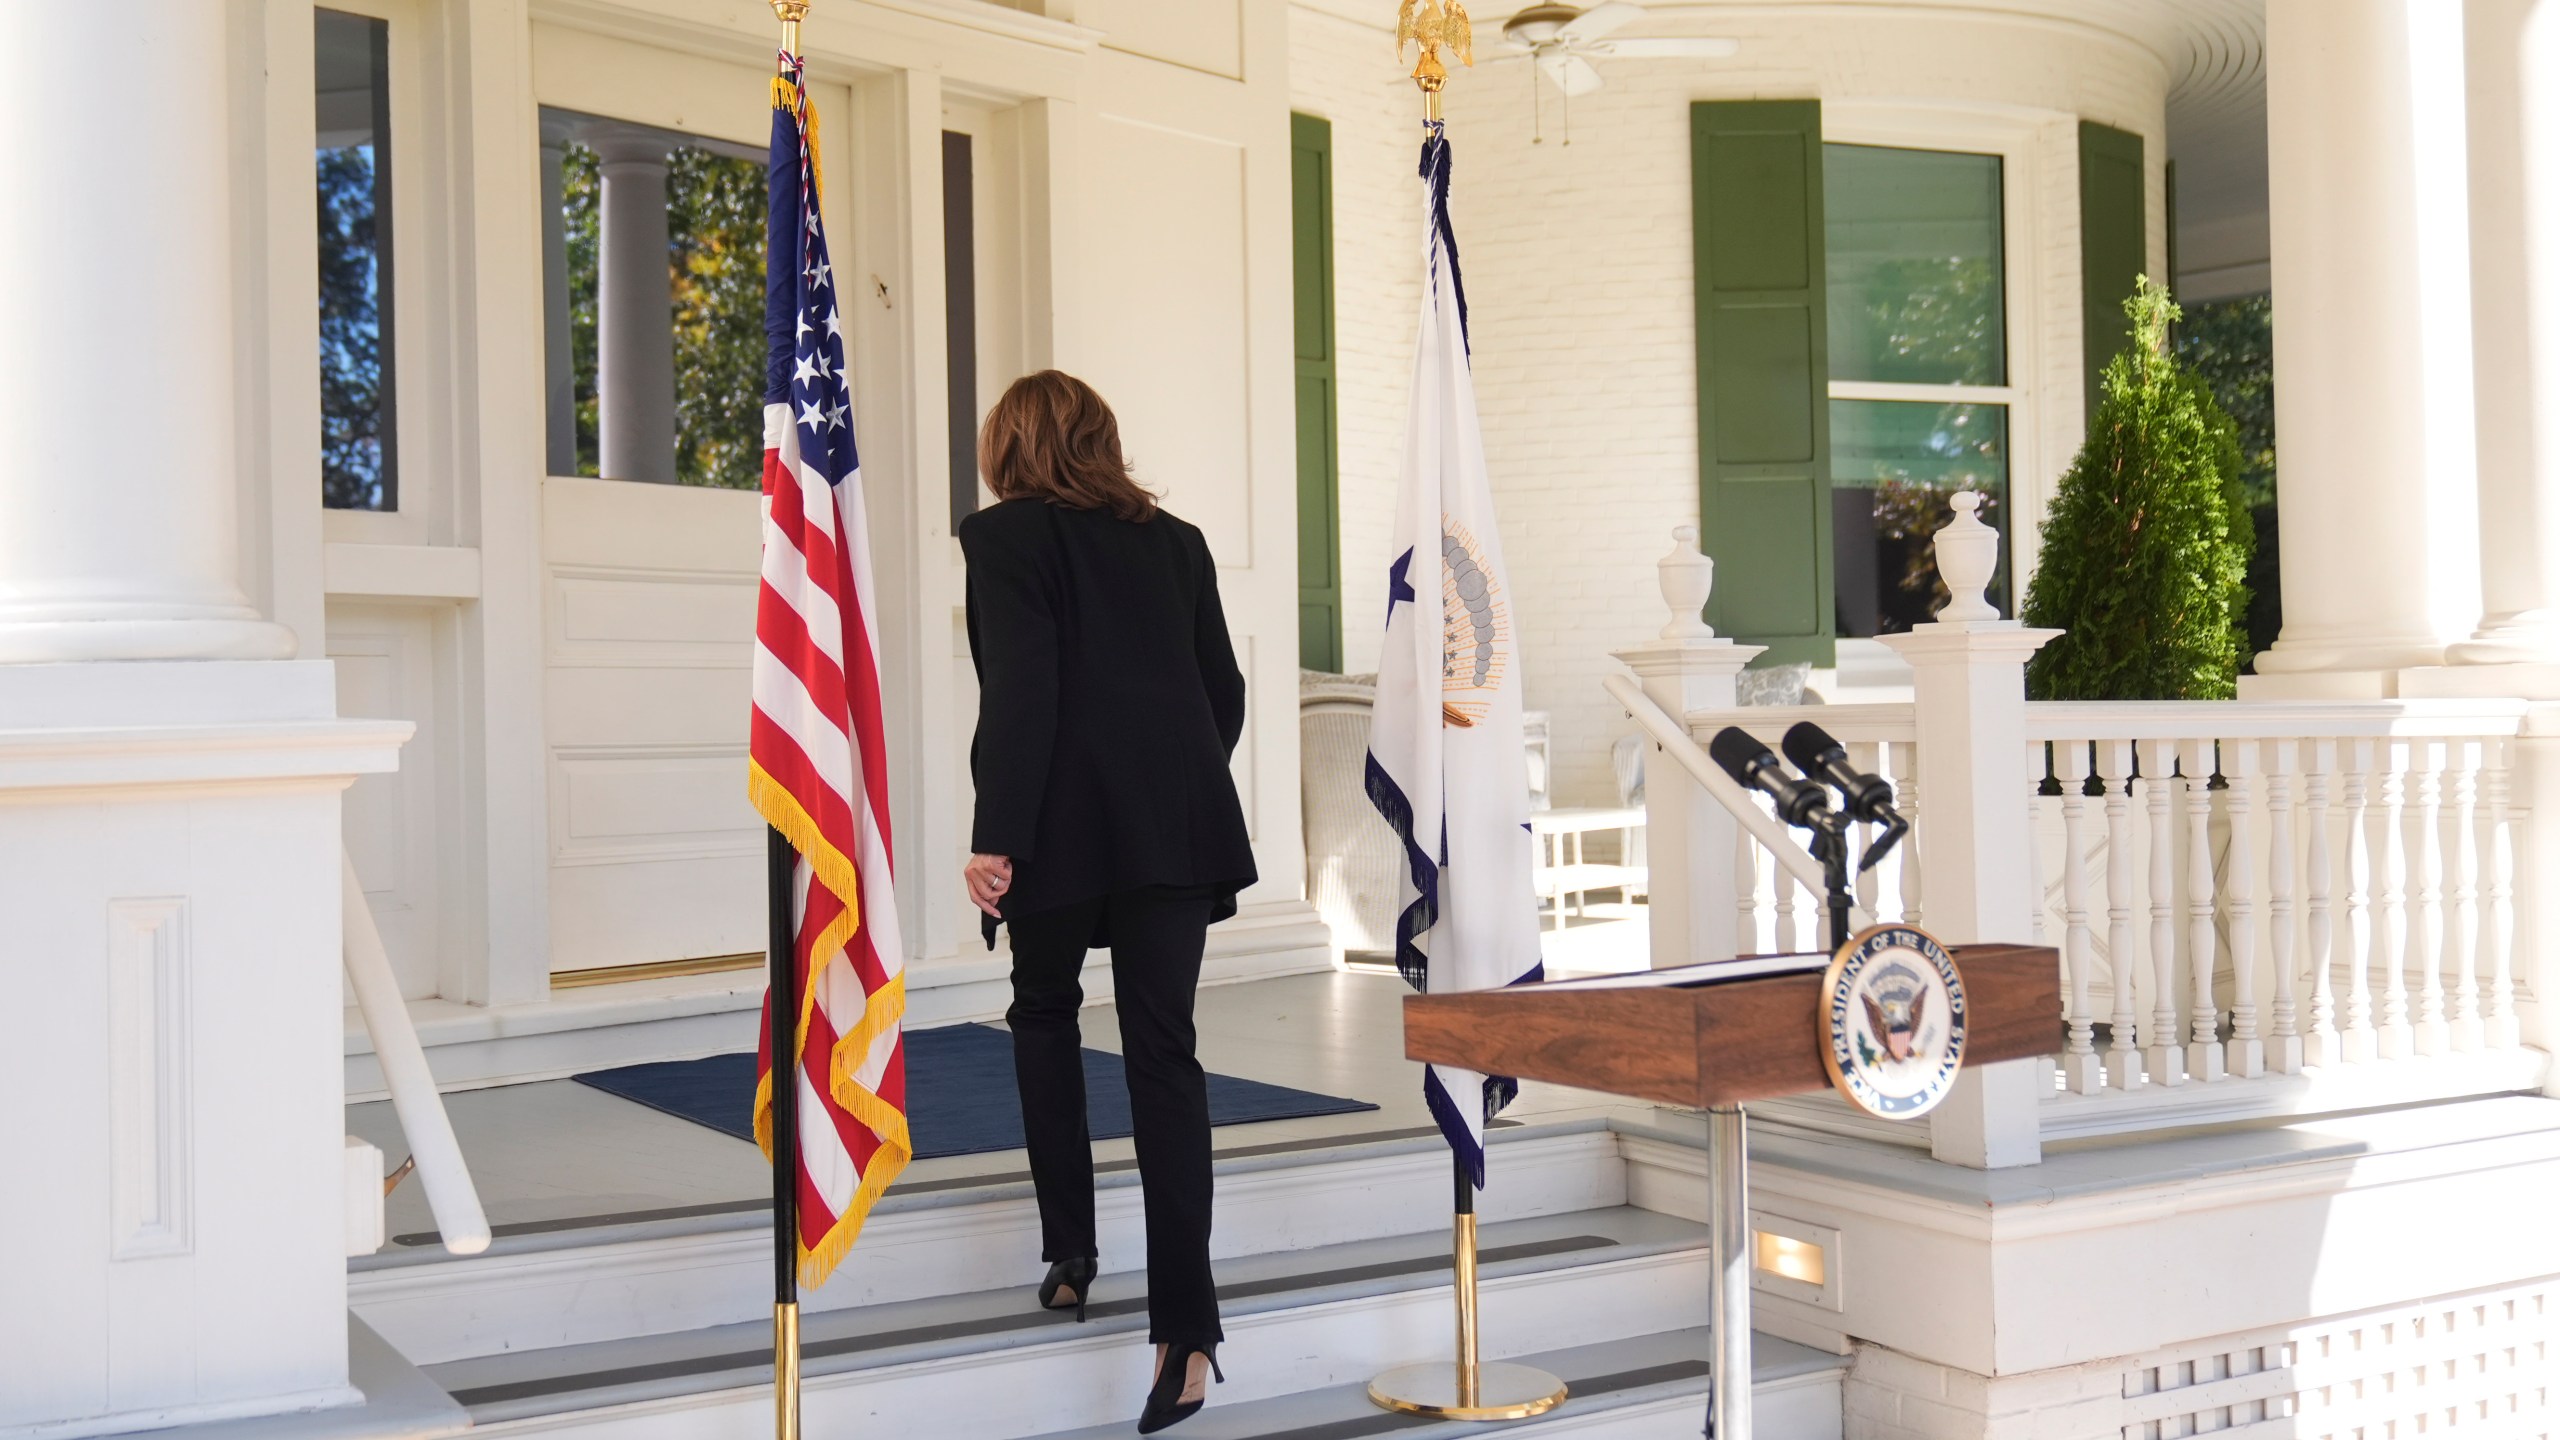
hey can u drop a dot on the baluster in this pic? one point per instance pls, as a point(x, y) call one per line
point(2390, 822)
point(2320, 1043)
point(2039, 772)
point(2159, 787)
point(2426, 911)
point(2246, 1054)
point(2462, 904)
point(2498, 935)
point(2081, 1071)
point(2204, 1015)
point(1906, 770)
point(2115, 769)
point(2356, 1039)
point(1870, 758)
point(2282, 864)
point(1746, 895)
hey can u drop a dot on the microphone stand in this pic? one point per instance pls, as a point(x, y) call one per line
point(1830, 846)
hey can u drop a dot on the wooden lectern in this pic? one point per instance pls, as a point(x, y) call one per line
point(1712, 1047)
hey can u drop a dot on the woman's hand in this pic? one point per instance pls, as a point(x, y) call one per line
point(988, 877)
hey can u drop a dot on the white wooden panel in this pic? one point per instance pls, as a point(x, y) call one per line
point(386, 661)
point(1174, 359)
point(1201, 34)
point(650, 619)
point(637, 618)
point(149, 1081)
point(604, 75)
point(652, 804)
point(614, 523)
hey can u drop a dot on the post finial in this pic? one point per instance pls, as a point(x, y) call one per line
point(791, 13)
point(1687, 578)
point(1968, 552)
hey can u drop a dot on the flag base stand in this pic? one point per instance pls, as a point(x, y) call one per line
point(1499, 1392)
point(1467, 1390)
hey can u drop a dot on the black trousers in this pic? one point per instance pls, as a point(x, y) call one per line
point(1156, 940)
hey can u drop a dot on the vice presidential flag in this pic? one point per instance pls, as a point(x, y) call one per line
point(817, 759)
point(1447, 765)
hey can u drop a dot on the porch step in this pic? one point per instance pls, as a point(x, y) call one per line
point(1300, 1323)
point(624, 1277)
point(1653, 1387)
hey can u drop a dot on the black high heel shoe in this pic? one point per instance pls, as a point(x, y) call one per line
point(1165, 1405)
point(1073, 1279)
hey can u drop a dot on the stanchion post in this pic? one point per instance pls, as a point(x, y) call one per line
point(1729, 1242)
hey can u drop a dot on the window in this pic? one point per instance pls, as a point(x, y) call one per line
point(960, 317)
point(1919, 394)
point(359, 449)
point(656, 331)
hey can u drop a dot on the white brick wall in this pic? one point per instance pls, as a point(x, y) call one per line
point(1346, 73)
point(1578, 270)
point(2478, 1361)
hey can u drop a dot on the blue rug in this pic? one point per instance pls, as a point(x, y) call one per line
point(960, 1093)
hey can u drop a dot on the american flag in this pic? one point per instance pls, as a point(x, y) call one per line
point(817, 761)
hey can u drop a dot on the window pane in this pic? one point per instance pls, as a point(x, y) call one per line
point(698, 386)
point(1912, 246)
point(1893, 465)
point(359, 453)
point(960, 318)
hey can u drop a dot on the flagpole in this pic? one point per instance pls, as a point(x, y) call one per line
point(783, 1007)
point(783, 1023)
point(1468, 1389)
point(782, 943)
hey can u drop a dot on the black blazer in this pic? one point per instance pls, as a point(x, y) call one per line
point(1109, 704)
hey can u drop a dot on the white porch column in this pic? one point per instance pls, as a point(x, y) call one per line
point(2372, 349)
point(635, 311)
point(117, 464)
point(2512, 70)
point(176, 1212)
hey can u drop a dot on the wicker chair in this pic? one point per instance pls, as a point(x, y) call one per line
point(1352, 856)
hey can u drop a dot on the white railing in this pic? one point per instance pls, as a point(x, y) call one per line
point(2260, 908)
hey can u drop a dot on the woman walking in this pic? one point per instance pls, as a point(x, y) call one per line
point(1108, 705)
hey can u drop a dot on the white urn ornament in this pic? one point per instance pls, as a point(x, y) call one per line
point(1968, 551)
point(1688, 577)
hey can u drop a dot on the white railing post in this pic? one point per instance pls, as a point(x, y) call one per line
point(2529, 843)
point(2115, 769)
point(2082, 1071)
point(1690, 910)
point(1969, 708)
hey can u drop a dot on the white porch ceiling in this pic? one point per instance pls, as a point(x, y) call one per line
point(2214, 52)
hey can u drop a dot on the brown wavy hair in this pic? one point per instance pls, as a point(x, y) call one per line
point(1052, 438)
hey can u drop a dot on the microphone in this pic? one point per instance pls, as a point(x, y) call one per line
point(1811, 749)
point(1752, 766)
point(1867, 797)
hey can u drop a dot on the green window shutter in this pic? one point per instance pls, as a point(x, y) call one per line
point(1764, 443)
point(2112, 246)
point(1319, 479)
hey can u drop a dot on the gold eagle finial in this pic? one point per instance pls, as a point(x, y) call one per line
point(1429, 25)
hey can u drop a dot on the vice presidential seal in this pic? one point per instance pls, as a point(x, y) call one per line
point(1893, 1020)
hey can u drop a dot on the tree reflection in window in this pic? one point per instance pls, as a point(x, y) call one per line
point(359, 451)
point(715, 257)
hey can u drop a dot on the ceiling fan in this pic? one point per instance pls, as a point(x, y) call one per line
point(1563, 40)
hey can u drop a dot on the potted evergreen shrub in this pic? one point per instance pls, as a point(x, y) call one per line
point(2148, 541)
